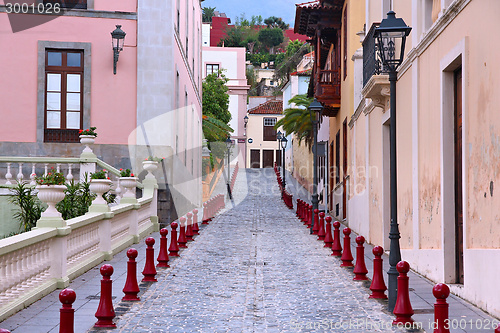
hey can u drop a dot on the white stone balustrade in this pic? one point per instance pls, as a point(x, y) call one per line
point(35, 263)
point(26, 169)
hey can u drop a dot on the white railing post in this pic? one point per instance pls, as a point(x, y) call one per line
point(58, 258)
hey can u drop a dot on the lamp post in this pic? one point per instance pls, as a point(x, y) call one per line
point(245, 121)
point(283, 145)
point(229, 145)
point(118, 38)
point(390, 39)
point(279, 136)
point(315, 112)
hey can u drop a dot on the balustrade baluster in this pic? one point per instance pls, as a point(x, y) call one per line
point(20, 175)
point(8, 175)
point(69, 176)
point(46, 169)
point(33, 174)
point(58, 167)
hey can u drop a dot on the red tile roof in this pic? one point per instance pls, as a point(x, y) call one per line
point(269, 107)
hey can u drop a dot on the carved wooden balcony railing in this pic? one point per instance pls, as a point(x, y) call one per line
point(327, 90)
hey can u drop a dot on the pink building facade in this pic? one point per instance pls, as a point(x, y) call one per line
point(57, 78)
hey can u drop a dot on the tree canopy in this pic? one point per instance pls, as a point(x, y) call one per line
point(271, 37)
point(276, 22)
point(215, 98)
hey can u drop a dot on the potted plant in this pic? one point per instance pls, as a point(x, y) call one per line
point(87, 137)
point(100, 184)
point(129, 182)
point(51, 188)
point(150, 164)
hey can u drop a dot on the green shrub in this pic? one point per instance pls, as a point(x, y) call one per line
point(29, 206)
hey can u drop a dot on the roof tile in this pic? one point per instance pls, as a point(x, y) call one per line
point(269, 107)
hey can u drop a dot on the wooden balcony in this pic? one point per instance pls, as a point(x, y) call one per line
point(327, 91)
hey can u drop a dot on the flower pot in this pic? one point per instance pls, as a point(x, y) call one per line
point(99, 187)
point(129, 183)
point(87, 140)
point(150, 166)
point(51, 194)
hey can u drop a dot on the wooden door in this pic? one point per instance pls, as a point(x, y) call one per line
point(344, 169)
point(267, 158)
point(459, 245)
point(254, 158)
point(331, 178)
point(278, 157)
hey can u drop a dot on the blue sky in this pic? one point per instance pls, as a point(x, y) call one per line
point(233, 8)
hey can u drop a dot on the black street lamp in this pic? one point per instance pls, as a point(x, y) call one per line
point(283, 145)
point(229, 145)
point(118, 38)
point(279, 136)
point(245, 121)
point(315, 112)
point(391, 38)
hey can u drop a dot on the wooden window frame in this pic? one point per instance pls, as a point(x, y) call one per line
point(63, 134)
point(268, 131)
point(212, 68)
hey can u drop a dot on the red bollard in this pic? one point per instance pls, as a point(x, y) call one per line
point(189, 227)
point(347, 255)
point(149, 271)
point(131, 288)
point(182, 233)
point(163, 253)
point(3, 330)
point(174, 247)
point(497, 330)
point(309, 215)
point(441, 292)
point(205, 214)
point(196, 228)
point(105, 312)
point(360, 270)
point(67, 314)
point(328, 232)
point(297, 214)
point(316, 222)
point(403, 309)
point(321, 227)
point(336, 246)
point(378, 287)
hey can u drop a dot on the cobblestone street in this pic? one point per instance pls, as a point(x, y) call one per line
point(255, 268)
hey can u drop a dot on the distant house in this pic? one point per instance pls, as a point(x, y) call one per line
point(263, 148)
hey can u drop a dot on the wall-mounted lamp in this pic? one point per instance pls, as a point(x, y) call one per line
point(118, 36)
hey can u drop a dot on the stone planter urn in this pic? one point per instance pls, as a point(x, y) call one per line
point(87, 140)
point(150, 166)
point(129, 183)
point(51, 195)
point(99, 187)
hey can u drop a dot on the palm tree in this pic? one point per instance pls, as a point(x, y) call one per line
point(214, 129)
point(207, 14)
point(297, 120)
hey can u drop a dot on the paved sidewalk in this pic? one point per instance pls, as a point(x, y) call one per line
point(464, 317)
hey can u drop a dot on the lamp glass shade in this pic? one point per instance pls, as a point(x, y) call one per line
point(284, 142)
point(391, 39)
point(118, 36)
